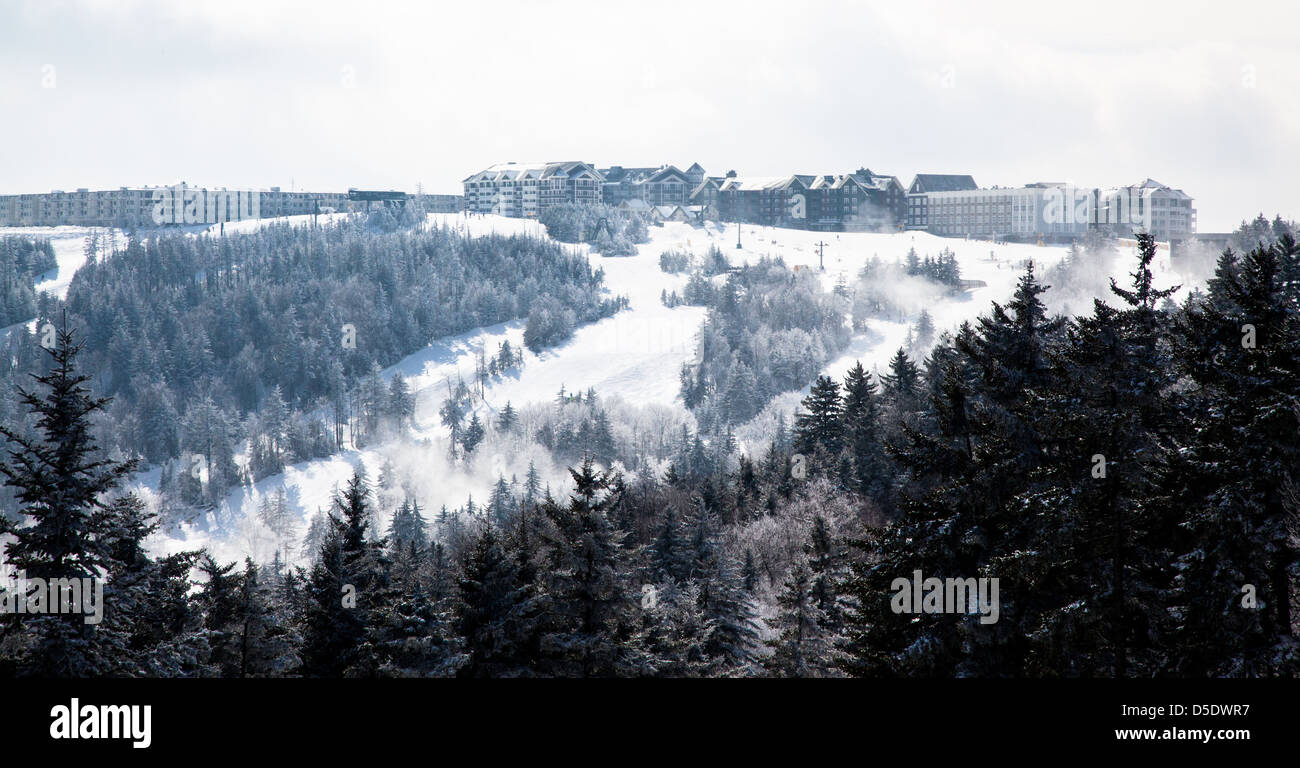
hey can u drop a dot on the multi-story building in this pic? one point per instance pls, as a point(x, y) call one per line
point(440, 203)
point(136, 206)
point(886, 194)
point(918, 213)
point(84, 207)
point(665, 185)
point(1150, 206)
point(622, 184)
point(1051, 211)
point(277, 202)
point(860, 201)
point(998, 212)
point(525, 190)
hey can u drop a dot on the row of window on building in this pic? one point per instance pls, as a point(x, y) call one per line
point(138, 206)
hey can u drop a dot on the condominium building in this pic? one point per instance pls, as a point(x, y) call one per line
point(953, 206)
point(665, 185)
point(1150, 206)
point(1021, 212)
point(525, 190)
point(138, 206)
point(923, 185)
point(84, 207)
point(858, 201)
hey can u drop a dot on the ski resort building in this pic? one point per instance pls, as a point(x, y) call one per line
point(665, 185)
point(524, 190)
point(851, 202)
point(136, 206)
point(953, 206)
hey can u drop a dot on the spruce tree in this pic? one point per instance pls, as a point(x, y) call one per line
point(60, 481)
point(819, 430)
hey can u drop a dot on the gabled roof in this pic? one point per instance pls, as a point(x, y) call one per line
point(756, 183)
point(512, 171)
point(695, 168)
point(666, 172)
point(942, 182)
point(616, 174)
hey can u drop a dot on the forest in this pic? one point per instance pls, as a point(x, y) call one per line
point(275, 338)
point(609, 230)
point(769, 329)
point(1129, 475)
point(21, 261)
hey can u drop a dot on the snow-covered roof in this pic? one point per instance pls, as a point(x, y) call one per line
point(755, 183)
point(512, 171)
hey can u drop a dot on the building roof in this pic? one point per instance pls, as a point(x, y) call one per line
point(756, 183)
point(512, 171)
point(616, 174)
point(942, 182)
point(665, 173)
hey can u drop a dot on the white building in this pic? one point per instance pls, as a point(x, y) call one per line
point(524, 190)
point(1059, 212)
point(1148, 206)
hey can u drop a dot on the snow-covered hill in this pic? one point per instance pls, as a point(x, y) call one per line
point(635, 355)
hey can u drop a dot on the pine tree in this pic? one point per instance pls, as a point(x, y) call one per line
point(401, 403)
point(733, 630)
point(473, 435)
point(590, 626)
point(497, 613)
point(670, 556)
point(342, 589)
point(862, 434)
point(501, 505)
point(902, 385)
point(264, 642)
point(408, 528)
point(1239, 346)
point(60, 479)
point(509, 418)
point(802, 647)
point(820, 429)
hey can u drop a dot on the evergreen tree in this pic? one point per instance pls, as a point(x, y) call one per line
point(862, 434)
point(801, 647)
point(342, 588)
point(509, 418)
point(821, 427)
point(497, 612)
point(473, 435)
point(60, 479)
point(590, 628)
point(902, 385)
point(1241, 348)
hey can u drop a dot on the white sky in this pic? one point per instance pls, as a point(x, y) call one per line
point(1198, 95)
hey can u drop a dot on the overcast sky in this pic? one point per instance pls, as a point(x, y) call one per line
point(324, 95)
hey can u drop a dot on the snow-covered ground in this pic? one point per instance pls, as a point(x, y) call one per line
point(635, 355)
